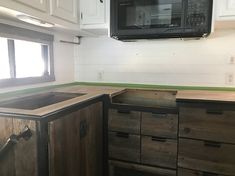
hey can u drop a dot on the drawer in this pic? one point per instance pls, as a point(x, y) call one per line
point(124, 121)
point(187, 172)
point(124, 146)
point(117, 168)
point(207, 156)
point(207, 124)
point(159, 152)
point(163, 125)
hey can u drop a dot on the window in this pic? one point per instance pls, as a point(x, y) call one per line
point(25, 59)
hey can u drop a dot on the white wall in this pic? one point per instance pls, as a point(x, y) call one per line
point(202, 62)
point(63, 63)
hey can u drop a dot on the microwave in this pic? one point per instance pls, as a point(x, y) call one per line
point(151, 19)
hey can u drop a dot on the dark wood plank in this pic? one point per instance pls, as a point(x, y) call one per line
point(7, 165)
point(207, 124)
point(188, 172)
point(124, 147)
point(123, 169)
point(73, 153)
point(162, 125)
point(208, 157)
point(159, 152)
point(122, 121)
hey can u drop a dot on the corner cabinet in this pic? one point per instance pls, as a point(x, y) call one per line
point(41, 5)
point(225, 10)
point(65, 9)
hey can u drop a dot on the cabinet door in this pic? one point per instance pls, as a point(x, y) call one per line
point(21, 159)
point(37, 4)
point(65, 9)
point(76, 143)
point(226, 9)
point(92, 11)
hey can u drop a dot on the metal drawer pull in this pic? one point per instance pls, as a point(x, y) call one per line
point(209, 174)
point(122, 135)
point(25, 134)
point(158, 139)
point(212, 144)
point(155, 115)
point(124, 111)
point(216, 112)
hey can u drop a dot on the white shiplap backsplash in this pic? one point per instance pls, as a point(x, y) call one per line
point(204, 62)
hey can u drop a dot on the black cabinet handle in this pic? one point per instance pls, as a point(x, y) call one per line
point(101, 1)
point(25, 134)
point(212, 144)
point(124, 111)
point(155, 115)
point(209, 174)
point(158, 139)
point(122, 135)
point(83, 128)
point(214, 111)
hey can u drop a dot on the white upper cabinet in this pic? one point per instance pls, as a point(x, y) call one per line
point(225, 9)
point(36, 4)
point(92, 12)
point(65, 9)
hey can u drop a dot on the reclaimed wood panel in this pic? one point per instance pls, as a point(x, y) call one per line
point(124, 147)
point(207, 124)
point(72, 154)
point(207, 156)
point(162, 125)
point(7, 164)
point(159, 152)
point(124, 121)
point(117, 168)
point(188, 172)
point(25, 151)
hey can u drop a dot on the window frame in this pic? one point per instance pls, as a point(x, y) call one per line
point(15, 33)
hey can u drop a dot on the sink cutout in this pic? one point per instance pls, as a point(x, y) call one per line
point(39, 101)
point(146, 98)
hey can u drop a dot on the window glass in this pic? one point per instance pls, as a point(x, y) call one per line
point(29, 59)
point(4, 59)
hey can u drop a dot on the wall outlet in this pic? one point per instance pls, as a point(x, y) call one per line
point(232, 60)
point(100, 75)
point(229, 79)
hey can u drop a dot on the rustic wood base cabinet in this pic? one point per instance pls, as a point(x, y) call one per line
point(65, 143)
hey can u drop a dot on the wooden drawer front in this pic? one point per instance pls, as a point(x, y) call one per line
point(124, 147)
point(163, 125)
point(124, 121)
point(159, 152)
point(207, 124)
point(126, 169)
point(207, 156)
point(187, 172)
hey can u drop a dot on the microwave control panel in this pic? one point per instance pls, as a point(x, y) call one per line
point(197, 15)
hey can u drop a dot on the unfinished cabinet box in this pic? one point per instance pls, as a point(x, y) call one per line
point(159, 152)
point(20, 159)
point(211, 124)
point(207, 156)
point(124, 146)
point(127, 169)
point(124, 121)
point(161, 125)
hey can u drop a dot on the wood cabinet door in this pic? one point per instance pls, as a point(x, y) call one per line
point(76, 143)
point(36, 4)
point(21, 159)
point(92, 11)
point(65, 9)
